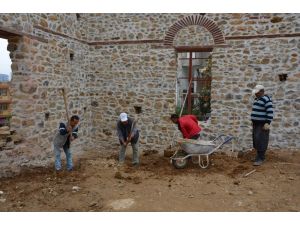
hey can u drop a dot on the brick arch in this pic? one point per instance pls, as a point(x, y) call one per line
point(200, 20)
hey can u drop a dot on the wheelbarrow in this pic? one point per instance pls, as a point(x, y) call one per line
point(199, 149)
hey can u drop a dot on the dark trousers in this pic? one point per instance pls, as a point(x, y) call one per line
point(195, 137)
point(260, 140)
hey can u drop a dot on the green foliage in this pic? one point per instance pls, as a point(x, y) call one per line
point(202, 105)
point(184, 111)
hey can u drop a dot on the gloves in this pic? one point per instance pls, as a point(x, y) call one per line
point(266, 126)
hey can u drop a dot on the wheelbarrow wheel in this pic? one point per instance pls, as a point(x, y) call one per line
point(179, 162)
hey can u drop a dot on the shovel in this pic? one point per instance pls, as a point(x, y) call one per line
point(66, 108)
point(130, 133)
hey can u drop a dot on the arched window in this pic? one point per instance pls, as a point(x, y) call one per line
point(194, 38)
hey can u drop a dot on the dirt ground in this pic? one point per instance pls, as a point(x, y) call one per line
point(97, 184)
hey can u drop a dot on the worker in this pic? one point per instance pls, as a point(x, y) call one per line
point(261, 117)
point(65, 134)
point(188, 125)
point(127, 133)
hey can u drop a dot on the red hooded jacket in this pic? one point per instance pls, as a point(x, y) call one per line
point(188, 125)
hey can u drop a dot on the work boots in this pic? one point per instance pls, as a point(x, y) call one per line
point(258, 162)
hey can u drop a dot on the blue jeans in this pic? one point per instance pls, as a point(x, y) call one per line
point(57, 151)
point(135, 153)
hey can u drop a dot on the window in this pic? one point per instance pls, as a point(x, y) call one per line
point(3, 92)
point(194, 83)
point(3, 106)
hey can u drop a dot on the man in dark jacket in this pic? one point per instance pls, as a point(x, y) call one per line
point(65, 134)
point(188, 125)
point(127, 132)
point(261, 116)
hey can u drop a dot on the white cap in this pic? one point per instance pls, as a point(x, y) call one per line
point(123, 117)
point(257, 88)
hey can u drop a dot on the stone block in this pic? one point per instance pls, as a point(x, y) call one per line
point(169, 152)
point(28, 87)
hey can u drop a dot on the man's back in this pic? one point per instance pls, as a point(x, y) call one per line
point(188, 125)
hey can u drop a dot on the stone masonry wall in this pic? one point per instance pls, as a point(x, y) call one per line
point(200, 36)
point(138, 26)
point(41, 67)
point(237, 69)
point(120, 62)
point(132, 76)
point(66, 23)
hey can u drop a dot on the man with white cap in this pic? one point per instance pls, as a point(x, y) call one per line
point(127, 132)
point(261, 116)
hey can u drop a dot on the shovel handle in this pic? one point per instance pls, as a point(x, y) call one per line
point(66, 104)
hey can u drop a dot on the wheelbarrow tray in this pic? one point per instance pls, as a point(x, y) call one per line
point(198, 148)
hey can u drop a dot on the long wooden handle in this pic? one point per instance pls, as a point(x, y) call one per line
point(131, 130)
point(185, 98)
point(66, 104)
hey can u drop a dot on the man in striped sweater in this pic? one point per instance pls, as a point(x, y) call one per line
point(261, 116)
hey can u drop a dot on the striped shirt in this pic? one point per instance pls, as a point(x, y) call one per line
point(262, 110)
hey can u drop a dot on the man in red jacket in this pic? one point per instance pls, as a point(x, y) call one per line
point(188, 125)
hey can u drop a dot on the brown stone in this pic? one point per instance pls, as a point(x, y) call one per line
point(237, 15)
point(169, 152)
point(27, 123)
point(4, 132)
point(236, 22)
point(28, 87)
point(58, 29)
point(43, 23)
point(294, 60)
point(297, 75)
point(265, 61)
point(158, 105)
point(41, 69)
point(276, 19)
point(2, 143)
point(131, 94)
point(118, 175)
point(19, 56)
point(250, 22)
point(53, 17)
point(172, 63)
point(4, 128)
point(242, 28)
point(17, 139)
point(12, 47)
point(274, 61)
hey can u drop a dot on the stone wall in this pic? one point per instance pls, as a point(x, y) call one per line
point(66, 23)
point(200, 36)
point(246, 24)
point(137, 26)
point(253, 55)
point(132, 76)
point(41, 67)
point(238, 68)
point(120, 62)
